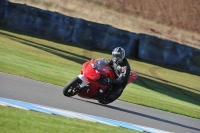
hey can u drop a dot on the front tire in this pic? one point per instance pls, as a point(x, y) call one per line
point(72, 88)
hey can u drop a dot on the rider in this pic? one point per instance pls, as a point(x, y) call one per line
point(121, 67)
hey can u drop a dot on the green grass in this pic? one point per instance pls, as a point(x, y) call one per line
point(160, 87)
point(21, 121)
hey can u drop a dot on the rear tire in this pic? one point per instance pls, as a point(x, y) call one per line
point(108, 99)
point(72, 88)
point(104, 101)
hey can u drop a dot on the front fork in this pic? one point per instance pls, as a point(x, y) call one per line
point(84, 79)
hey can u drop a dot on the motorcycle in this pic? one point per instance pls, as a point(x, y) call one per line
point(90, 83)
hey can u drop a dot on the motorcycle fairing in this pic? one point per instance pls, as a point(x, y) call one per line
point(94, 69)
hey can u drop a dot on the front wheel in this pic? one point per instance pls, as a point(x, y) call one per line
point(72, 88)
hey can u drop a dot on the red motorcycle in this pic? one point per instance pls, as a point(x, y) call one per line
point(91, 82)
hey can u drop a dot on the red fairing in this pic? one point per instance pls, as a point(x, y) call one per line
point(92, 70)
point(89, 72)
point(94, 73)
point(133, 76)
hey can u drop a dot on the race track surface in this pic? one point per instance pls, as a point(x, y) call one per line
point(18, 88)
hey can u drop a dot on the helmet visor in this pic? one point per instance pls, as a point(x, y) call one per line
point(117, 56)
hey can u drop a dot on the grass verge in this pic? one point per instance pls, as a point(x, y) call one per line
point(57, 63)
point(19, 121)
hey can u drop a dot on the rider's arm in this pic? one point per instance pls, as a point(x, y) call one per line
point(121, 77)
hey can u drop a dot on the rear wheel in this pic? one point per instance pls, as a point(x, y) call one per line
point(73, 87)
point(104, 101)
point(111, 97)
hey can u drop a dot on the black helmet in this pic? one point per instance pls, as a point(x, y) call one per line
point(118, 54)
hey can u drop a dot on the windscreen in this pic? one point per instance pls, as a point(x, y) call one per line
point(101, 65)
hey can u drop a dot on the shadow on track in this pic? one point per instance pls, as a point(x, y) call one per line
point(140, 114)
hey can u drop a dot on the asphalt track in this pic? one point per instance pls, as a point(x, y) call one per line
point(18, 88)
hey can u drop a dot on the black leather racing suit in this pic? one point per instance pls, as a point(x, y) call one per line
point(122, 71)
